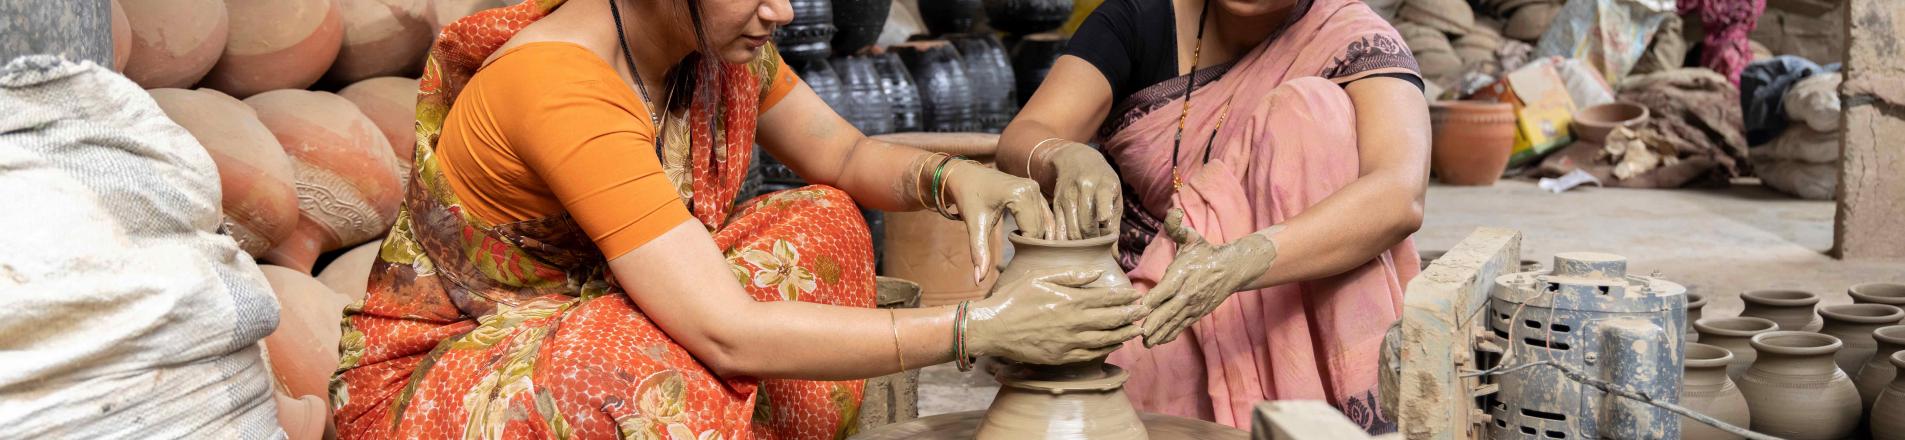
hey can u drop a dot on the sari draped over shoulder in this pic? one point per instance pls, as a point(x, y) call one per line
point(1283, 135)
point(479, 330)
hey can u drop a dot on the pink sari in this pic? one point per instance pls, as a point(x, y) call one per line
point(1288, 140)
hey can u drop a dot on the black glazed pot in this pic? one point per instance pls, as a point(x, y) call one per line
point(945, 17)
point(992, 80)
point(1019, 17)
point(808, 36)
point(870, 111)
point(821, 76)
point(1032, 58)
point(902, 97)
point(945, 93)
point(858, 24)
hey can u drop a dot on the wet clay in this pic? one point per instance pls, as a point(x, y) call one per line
point(1878, 370)
point(1068, 408)
point(1706, 389)
point(1794, 391)
point(1853, 324)
point(1032, 256)
point(963, 425)
point(1888, 414)
point(1734, 334)
point(1792, 309)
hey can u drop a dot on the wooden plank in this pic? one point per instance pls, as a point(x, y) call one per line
point(1425, 392)
point(1302, 420)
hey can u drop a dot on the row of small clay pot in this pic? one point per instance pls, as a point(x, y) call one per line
point(1817, 380)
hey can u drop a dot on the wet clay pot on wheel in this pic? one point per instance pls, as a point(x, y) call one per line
point(1878, 369)
point(1695, 302)
point(1706, 389)
point(1735, 335)
point(945, 92)
point(902, 98)
point(1473, 140)
point(950, 16)
point(1794, 391)
point(809, 37)
point(1853, 324)
point(1085, 400)
point(1792, 309)
point(1888, 413)
point(1892, 294)
point(1020, 17)
point(858, 24)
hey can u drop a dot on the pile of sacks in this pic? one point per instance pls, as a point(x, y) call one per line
point(1804, 159)
point(1450, 39)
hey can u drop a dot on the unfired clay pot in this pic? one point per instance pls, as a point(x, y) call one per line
point(382, 38)
point(277, 44)
point(1877, 370)
point(1892, 294)
point(255, 176)
point(121, 37)
point(346, 175)
point(933, 251)
point(1695, 302)
point(174, 42)
point(1795, 392)
point(1853, 324)
point(303, 350)
point(1792, 309)
point(349, 274)
point(1473, 140)
point(1734, 335)
point(391, 103)
point(1888, 413)
point(1594, 123)
point(1706, 389)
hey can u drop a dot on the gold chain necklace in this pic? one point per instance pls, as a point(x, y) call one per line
point(1177, 140)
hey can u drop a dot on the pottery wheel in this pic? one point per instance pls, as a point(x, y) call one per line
point(962, 425)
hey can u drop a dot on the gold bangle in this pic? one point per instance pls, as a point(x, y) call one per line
point(1030, 156)
point(939, 195)
point(894, 323)
point(919, 187)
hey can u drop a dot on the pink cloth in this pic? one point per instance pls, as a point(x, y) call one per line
point(1725, 48)
point(1289, 142)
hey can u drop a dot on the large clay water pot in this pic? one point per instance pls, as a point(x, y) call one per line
point(121, 37)
point(820, 75)
point(1695, 302)
point(1473, 140)
point(174, 42)
point(1794, 390)
point(382, 38)
point(809, 37)
point(945, 92)
point(1735, 335)
point(1853, 324)
point(391, 103)
point(1032, 58)
point(858, 23)
point(1706, 389)
point(1892, 294)
point(1877, 370)
point(1019, 17)
point(1792, 309)
point(349, 274)
point(870, 111)
point(255, 176)
point(303, 350)
point(346, 175)
point(928, 249)
point(945, 17)
point(277, 44)
point(902, 97)
point(991, 76)
point(1888, 413)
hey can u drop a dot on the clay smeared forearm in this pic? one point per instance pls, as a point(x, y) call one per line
point(1342, 232)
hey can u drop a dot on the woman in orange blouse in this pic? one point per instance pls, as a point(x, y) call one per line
point(570, 261)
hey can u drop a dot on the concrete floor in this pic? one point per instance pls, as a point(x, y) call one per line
point(1717, 242)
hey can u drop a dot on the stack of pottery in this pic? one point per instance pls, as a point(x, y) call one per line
point(174, 42)
point(945, 17)
point(1735, 335)
point(255, 176)
point(391, 103)
point(1795, 391)
point(1853, 324)
point(946, 95)
point(1706, 389)
point(870, 111)
point(349, 274)
point(277, 44)
point(1020, 17)
point(302, 351)
point(991, 75)
point(1888, 413)
point(809, 37)
point(1473, 140)
point(1792, 309)
point(901, 96)
point(1892, 294)
point(820, 75)
point(1032, 58)
point(858, 24)
point(1877, 369)
point(382, 38)
point(346, 173)
point(1695, 302)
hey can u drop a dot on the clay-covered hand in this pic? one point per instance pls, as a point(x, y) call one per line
point(1201, 276)
point(1050, 318)
point(983, 195)
point(1086, 193)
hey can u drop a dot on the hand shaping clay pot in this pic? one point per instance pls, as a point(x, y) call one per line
point(1853, 324)
point(1473, 140)
point(391, 103)
point(382, 38)
point(349, 274)
point(304, 418)
point(121, 37)
point(277, 44)
point(1792, 309)
point(1888, 413)
point(1877, 369)
point(1695, 302)
point(255, 176)
point(1706, 389)
point(1794, 391)
point(1734, 335)
point(1892, 294)
point(174, 42)
point(303, 350)
point(346, 175)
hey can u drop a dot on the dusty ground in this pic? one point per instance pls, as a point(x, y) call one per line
point(1717, 242)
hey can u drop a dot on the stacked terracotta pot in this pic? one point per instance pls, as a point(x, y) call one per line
point(1449, 38)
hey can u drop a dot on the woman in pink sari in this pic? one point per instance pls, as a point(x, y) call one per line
point(1284, 143)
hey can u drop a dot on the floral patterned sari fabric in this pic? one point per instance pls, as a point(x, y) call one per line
point(477, 330)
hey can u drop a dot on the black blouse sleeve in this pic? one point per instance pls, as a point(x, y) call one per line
point(1109, 39)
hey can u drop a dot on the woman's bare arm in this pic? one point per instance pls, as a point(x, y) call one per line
point(824, 149)
point(1069, 105)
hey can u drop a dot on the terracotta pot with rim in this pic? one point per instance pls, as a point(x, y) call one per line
point(1706, 389)
point(1792, 309)
point(1854, 324)
point(1795, 392)
point(1888, 413)
point(1877, 369)
point(1594, 123)
point(1734, 335)
point(1695, 302)
point(1473, 140)
point(1892, 294)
